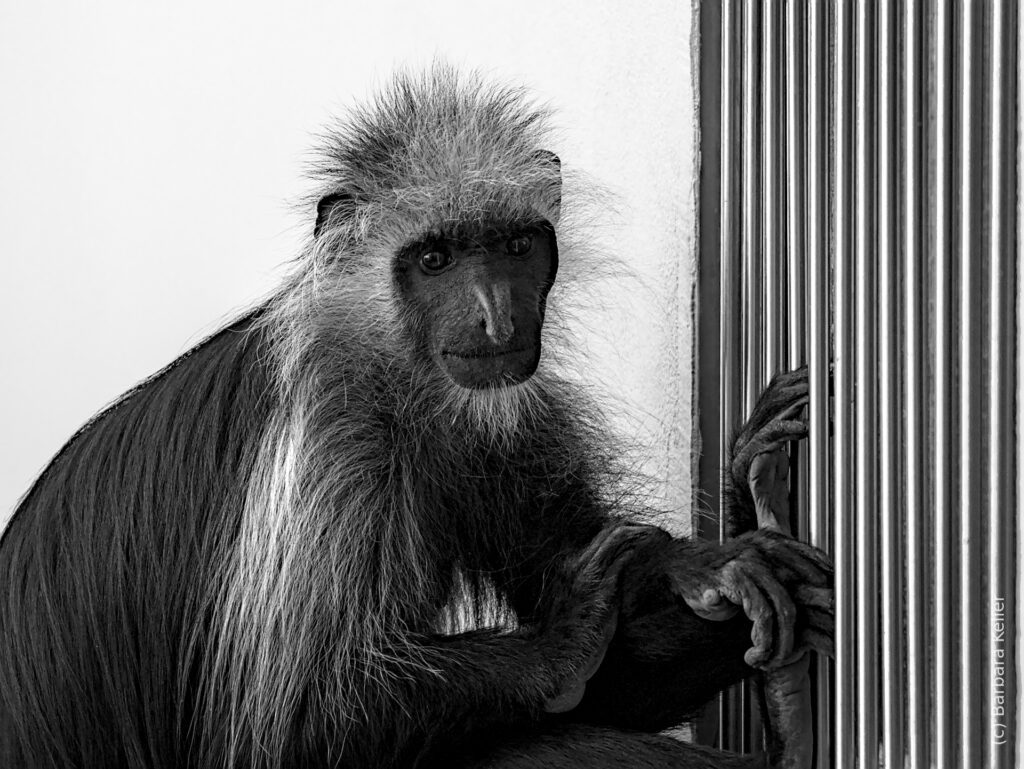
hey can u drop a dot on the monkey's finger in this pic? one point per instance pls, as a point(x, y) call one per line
point(774, 436)
point(782, 391)
point(794, 408)
point(609, 544)
point(712, 605)
point(573, 690)
point(794, 569)
point(793, 376)
point(743, 591)
point(567, 699)
point(793, 560)
point(811, 562)
point(610, 578)
point(821, 643)
point(621, 549)
point(815, 598)
point(817, 621)
point(785, 619)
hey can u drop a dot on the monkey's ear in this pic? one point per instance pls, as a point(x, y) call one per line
point(335, 204)
point(552, 194)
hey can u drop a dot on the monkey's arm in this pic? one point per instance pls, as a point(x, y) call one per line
point(665, 660)
point(449, 691)
point(761, 596)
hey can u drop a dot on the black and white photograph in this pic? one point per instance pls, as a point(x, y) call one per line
point(553, 384)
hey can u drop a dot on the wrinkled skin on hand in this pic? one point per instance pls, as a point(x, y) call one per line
point(783, 586)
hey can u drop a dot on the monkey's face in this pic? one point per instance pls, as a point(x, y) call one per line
point(478, 302)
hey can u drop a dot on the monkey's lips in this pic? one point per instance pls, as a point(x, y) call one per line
point(481, 367)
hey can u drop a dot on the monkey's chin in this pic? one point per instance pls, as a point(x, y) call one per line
point(490, 372)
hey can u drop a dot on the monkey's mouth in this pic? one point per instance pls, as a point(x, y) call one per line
point(486, 352)
point(482, 367)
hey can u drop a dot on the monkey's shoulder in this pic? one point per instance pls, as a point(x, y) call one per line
point(200, 413)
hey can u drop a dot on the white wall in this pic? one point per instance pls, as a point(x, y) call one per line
point(149, 155)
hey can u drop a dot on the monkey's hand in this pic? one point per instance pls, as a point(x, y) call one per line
point(584, 611)
point(774, 422)
point(785, 588)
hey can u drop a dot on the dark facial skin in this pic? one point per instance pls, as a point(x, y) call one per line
point(480, 302)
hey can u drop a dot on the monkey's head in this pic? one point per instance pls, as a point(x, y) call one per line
point(439, 214)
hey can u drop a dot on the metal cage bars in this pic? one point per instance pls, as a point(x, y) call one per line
point(869, 225)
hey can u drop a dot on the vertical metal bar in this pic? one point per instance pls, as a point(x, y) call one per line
point(764, 318)
point(752, 199)
point(1000, 507)
point(795, 190)
point(737, 701)
point(917, 530)
point(943, 695)
point(796, 186)
point(865, 380)
point(843, 534)
point(729, 238)
point(818, 323)
point(771, 196)
point(1016, 431)
point(968, 460)
point(890, 511)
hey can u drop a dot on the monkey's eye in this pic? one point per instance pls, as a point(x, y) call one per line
point(519, 245)
point(434, 262)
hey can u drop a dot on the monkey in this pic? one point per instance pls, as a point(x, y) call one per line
point(368, 523)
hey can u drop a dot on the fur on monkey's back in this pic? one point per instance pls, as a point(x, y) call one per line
point(102, 557)
point(202, 543)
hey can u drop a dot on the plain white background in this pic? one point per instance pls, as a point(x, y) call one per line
point(150, 154)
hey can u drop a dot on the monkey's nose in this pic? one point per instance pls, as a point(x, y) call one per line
point(496, 307)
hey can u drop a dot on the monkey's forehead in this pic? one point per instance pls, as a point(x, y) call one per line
point(459, 214)
point(463, 234)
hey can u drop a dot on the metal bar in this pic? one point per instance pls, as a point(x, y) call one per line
point(796, 188)
point(1017, 606)
point(753, 277)
point(752, 199)
point(737, 700)
point(968, 459)
point(917, 530)
point(731, 333)
point(820, 514)
point(940, 472)
point(795, 191)
point(890, 509)
point(772, 225)
point(1000, 507)
point(865, 378)
point(846, 719)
